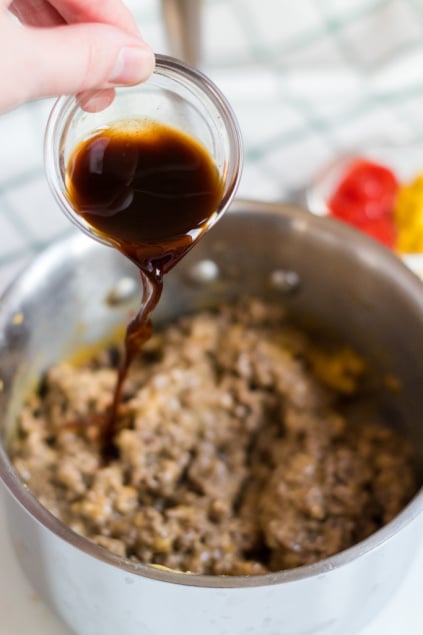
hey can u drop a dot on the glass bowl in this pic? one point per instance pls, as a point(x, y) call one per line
point(175, 95)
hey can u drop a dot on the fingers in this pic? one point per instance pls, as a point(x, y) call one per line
point(51, 13)
point(96, 100)
point(112, 12)
point(36, 13)
point(68, 60)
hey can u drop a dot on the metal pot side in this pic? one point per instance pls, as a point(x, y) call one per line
point(318, 268)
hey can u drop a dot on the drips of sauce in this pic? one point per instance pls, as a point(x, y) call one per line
point(151, 191)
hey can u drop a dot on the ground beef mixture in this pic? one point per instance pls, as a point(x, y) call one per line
point(236, 454)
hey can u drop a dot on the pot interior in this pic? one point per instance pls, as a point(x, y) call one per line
point(329, 276)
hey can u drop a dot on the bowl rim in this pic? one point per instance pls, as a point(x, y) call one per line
point(176, 73)
point(28, 502)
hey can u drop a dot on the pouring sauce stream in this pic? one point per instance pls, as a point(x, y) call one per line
point(151, 191)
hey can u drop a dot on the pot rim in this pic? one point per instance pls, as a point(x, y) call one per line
point(42, 516)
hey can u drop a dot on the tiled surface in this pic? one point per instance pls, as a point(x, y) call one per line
point(309, 79)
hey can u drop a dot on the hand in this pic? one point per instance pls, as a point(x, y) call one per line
point(68, 47)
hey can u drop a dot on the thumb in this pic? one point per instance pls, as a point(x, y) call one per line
point(42, 62)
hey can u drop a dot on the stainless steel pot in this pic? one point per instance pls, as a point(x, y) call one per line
point(318, 268)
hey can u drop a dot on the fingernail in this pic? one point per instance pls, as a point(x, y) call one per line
point(134, 64)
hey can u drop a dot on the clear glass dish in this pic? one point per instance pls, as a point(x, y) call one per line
point(176, 95)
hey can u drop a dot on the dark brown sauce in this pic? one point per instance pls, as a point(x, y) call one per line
point(151, 191)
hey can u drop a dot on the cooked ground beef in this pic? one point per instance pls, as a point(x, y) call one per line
point(236, 453)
